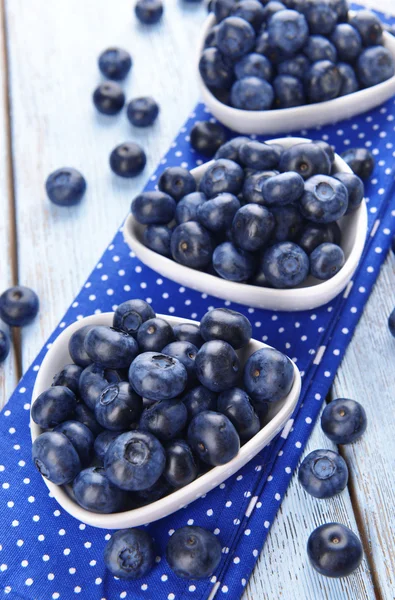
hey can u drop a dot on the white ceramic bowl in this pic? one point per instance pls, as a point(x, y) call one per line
point(301, 117)
point(279, 413)
point(310, 294)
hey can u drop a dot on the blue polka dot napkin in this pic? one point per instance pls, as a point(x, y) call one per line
point(46, 554)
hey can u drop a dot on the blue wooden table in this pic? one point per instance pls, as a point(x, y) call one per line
point(48, 70)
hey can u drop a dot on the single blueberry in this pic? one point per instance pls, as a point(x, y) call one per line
point(307, 159)
point(284, 188)
point(252, 227)
point(206, 137)
point(327, 148)
point(368, 26)
point(251, 11)
point(355, 189)
point(165, 419)
point(326, 260)
point(118, 407)
point(313, 235)
point(69, 377)
point(325, 199)
point(186, 353)
point(233, 263)
point(285, 265)
point(135, 460)
point(83, 415)
point(349, 79)
point(103, 442)
point(268, 375)
point(128, 159)
point(65, 186)
point(149, 12)
point(153, 208)
point(142, 112)
point(360, 160)
point(343, 421)
point(157, 238)
point(288, 31)
point(223, 9)
point(253, 185)
point(199, 399)
point(254, 65)
point(53, 406)
point(252, 93)
point(347, 42)
point(289, 92)
point(193, 552)
point(177, 182)
point(131, 314)
point(295, 66)
point(55, 457)
point(110, 348)
point(217, 213)
point(181, 465)
point(5, 345)
point(334, 550)
point(236, 405)
point(154, 335)
point(213, 437)
point(109, 98)
point(115, 63)
point(260, 156)
point(375, 65)
point(18, 306)
point(76, 346)
point(288, 223)
point(236, 37)
point(320, 16)
point(223, 175)
point(217, 365)
point(157, 376)
point(319, 47)
point(95, 492)
point(227, 325)
point(93, 380)
point(130, 553)
point(188, 332)
point(231, 149)
point(215, 70)
point(323, 473)
point(81, 437)
point(323, 81)
point(191, 245)
point(186, 209)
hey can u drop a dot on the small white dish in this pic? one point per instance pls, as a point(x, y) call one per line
point(279, 413)
point(301, 117)
point(310, 294)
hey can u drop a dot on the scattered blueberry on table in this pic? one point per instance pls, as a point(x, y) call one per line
point(334, 550)
point(115, 63)
point(65, 186)
point(323, 473)
point(130, 553)
point(193, 552)
point(149, 12)
point(109, 98)
point(142, 112)
point(128, 160)
point(5, 345)
point(19, 306)
point(344, 421)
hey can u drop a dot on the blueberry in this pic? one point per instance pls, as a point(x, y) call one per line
point(131, 314)
point(103, 442)
point(253, 185)
point(323, 81)
point(154, 335)
point(130, 553)
point(115, 63)
point(181, 465)
point(288, 31)
point(326, 260)
point(165, 419)
point(217, 213)
point(188, 332)
point(334, 550)
point(157, 376)
point(227, 325)
point(83, 415)
point(206, 137)
point(233, 263)
point(288, 223)
point(319, 47)
point(110, 348)
point(284, 188)
point(306, 159)
point(285, 265)
point(347, 42)
point(199, 399)
point(217, 365)
point(93, 380)
point(289, 92)
point(360, 160)
point(193, 552)
point(5, 345)
point(252, 93)
point(340, 7)
point(323, 473)
point(55, 457)
point(135, 460)
point(260, 156)
point(230, 149)
point(185, 352)
point(375, 65)
point(177, 182)
point(128, 160)
point(349, 79)
point(223, 9)
point(223, 175)
point(213, 438)
point(69, 377)
point(153, 208)
point(254, 65)
point(252, 227)
point(186, 209)
point(320, 16)
point(368, 26)
point(327, 148)
point(272, 7)
point(325, 199)
point(142, 112)
point(391, 322)
point(355, 189)
point(251, 11)
point(214, 69)
point(157, 491)
point(295, 66)
point(109, 98)
point(157, 238)
point(235, 404)
point(268, 375)
point(94, 492)
point(343, 421)
point(18, 306)
point(53, 406)
point(65, 186)
point(313, 235)
point(191, 245)
point(76, 346)
point(118, 407)
point(211, 38)
point(81, 437)
point(236, 37)
point(149, 12)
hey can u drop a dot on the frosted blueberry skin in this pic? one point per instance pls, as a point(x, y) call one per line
point(157, 377)
point(375, 65)
point(5, 345)
point(320, 16)
point(199, 399)
point(236, 405)
point(154, 334)
point(236, 37)
point(131, 314)
point(334, 550)
point(115, 63)
point(215, 70)
point(347, 42)
point(103, 442)
point(53, 406)
point(128, 160)
point(181, 465)
point(233, 263)
point(193, 552)
point(226, 325)
point(284, 188)
point(325, 199)
point(157, 238)
point(344, 421)
point(251, 11)
point(186, 209)
point(191, 245)
point(81, 437)
point(319, 47)
point(289, 92)
point(326, 260)
point(109, 98)
point(288, 31)
point(260, 156)
point(130, 554)
point(252, 227)
point(76, 346)
point(93, 380)
point(142, 112)
point(165, 419)
point(65, 186)
point(55, 457)
point(110, 348)
point(268, 376)
point(207, 137)
point(368, 26)
point(177, 182)
point(253, 186)
point(327, 148)
point(254, 65)
point(217, 365)
point(188, 332)
point(306, 159)
point(149, 12)
point(95, 492)
point(350, 82)
point(18, 306)
point(252, 93)
point(295, 66)
point(217, 213)
point(323, 473)
point(118, 407)
point(360, 161)
point(68, 377)
point(313, 235)
point(271, 8)
point(135, 460)
point(231, 149)
point(285, 265)
point(186, 353)
point(323, 81)
point(213, 438)
point(223, 175)
point(153, 208)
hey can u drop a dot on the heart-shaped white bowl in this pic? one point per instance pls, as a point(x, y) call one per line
point(310, 294)
point(279, 413)
point(301, 117)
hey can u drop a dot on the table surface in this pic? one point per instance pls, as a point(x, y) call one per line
point(47, 73)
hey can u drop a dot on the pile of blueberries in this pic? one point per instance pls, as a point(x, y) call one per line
point(263, 215)
point(262, 55)
point(19, 306)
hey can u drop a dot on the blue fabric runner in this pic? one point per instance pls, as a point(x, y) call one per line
point(46, 554)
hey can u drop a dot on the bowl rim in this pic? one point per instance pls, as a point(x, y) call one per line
point(164, 506)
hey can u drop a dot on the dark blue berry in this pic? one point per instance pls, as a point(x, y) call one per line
point(115, 63)
point(154, 335)
point(76, 346)
point(223, 9)
point(214, 69)
point(118, 407)
point(360, 160)
point(252, 93)
point(326, 260)
point(55, 457)
point(236, 37)
point(271, 8)
point(252, 227)
point(185, 352)
point(235, 404)
point(206, 137)
point(130, 553)
point(227, 325)
point(198, 400)
point(375, 65)
point(157, 376)
point(5, 345)
point(289, 223)
point(109, 98)
point(343, 421)
point(327, 148)
point(233, 263)
point(181, 465)
point(69, 377)
point(217, 365)
point(260, 156)
point(355, 189)
point(295, 66)
point(110, 348)
point(251, 11)
point(217, 213)
point(153, 208)
point(349, 79)
point(289, 92)
point(285, 265)
point(188, 332)
point(325, 199)
point(149, 12)
point(131, 314)
point(157, 238)
point(284, 188)
point(128, 159)
point(53, 406)
point(93, 380)
point(320, 16)
point(193, 552)
point(323, 473)
point(81, 437)
point(18, 306)
point(213, 438)
point(313, 235)
point(268, 375)
point(347, 42)
point(288, 31)
point(177, 182)
point(191, 245)
point(165, 419)
point(187, 207)
point(391, 318)
point(65, 186)
point(223, 175)
point(323, 81)
point(103, 442)
point(306, 159)
point(83, 415)
point(95, 492)
point(230, 150)
point(334, 550)
point(254, 65)
point(253, 185)
point(319, 47)
point(368, 26)
point(340, 7)
point(142, 112)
